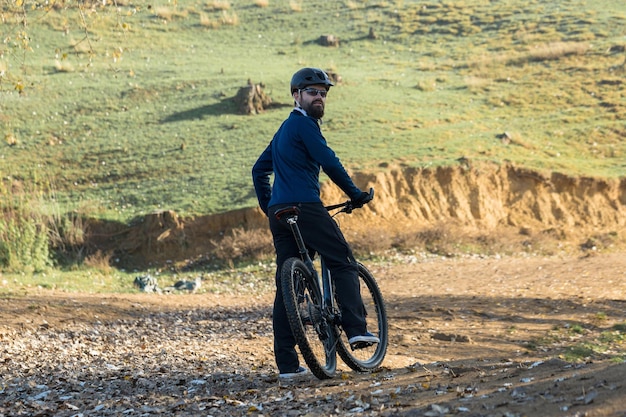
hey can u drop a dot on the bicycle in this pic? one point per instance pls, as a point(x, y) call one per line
point(313, 312)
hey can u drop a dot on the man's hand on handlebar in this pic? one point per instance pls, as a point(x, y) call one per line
point(363, 199)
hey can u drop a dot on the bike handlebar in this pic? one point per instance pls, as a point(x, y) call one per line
point(348, 206)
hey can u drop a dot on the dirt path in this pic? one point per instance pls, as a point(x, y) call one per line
point(469, 336)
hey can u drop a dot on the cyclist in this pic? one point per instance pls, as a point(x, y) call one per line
point(294, 156)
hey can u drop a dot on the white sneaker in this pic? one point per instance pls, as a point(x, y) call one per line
point(291, 375)
point(363, 341)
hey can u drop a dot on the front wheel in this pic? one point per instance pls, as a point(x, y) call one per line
point(310, 325)
point(369, 358)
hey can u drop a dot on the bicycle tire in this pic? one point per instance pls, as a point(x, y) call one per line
point(310, 326)
point(370, 358)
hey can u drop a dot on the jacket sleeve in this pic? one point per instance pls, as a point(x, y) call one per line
point(330, 163)
point(338, 175)
point(261, 172)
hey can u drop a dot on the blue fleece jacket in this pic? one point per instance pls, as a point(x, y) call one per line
point(295, 156)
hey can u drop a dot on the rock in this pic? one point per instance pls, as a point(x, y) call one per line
point(147, 283)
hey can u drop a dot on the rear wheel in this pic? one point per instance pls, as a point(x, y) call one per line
point(310, 326)
point(368, 358)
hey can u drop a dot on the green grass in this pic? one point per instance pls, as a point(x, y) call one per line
point(104, 127)
point(255, 278)
point(576, 343)
point(90, 280)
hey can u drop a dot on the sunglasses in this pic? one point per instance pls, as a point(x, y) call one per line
point(314, 91)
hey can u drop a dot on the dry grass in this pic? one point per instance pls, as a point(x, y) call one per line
point(451, 240)
point(295, 5)
point(426, 85)
point(164, 12)
point(551, 51)
point(476, 83)
point(10, 139)
point(241, 245)
point(541, 52)
point(443, 239)
point(206, 21)
point(229, 18)
point(168, 13)
point(99, 261)
point(226, 18)
point(81, 47)
point(63, 66)
point(218, 5)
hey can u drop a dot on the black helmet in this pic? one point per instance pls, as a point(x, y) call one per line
point(309, 76)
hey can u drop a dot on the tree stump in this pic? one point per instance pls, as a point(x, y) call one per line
point(334, 77)
point(329, 40)
point(251, 99)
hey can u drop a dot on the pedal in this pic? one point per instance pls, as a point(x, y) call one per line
point(361, 345)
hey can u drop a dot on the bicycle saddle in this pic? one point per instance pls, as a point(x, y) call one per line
point(286, 210)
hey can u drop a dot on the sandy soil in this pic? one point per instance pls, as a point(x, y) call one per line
point(473, 336)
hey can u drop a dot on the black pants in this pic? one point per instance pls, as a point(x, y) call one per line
point(322, 235)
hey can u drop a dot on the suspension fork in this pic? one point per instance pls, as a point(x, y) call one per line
point(327, 286)
point(328, 301)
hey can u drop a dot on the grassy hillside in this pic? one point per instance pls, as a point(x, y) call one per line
point(135, 113)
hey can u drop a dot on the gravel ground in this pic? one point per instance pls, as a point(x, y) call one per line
point(469, 337)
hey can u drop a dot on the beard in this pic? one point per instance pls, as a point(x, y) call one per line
point(315, 109)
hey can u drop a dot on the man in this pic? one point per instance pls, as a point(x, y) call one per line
point(295, 156)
